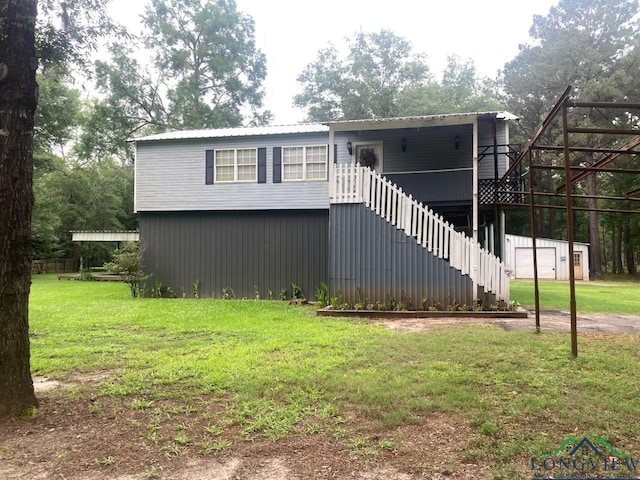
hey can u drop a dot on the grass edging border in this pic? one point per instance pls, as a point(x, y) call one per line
point(328, 312)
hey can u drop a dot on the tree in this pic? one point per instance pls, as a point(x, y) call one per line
point(207, 53)
point(366, 84)
point(459, 91)
point(68, 31)
point(18, 100)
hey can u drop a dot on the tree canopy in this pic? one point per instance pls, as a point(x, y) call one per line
point(366, 83)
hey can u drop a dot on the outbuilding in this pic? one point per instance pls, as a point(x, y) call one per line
point(553, 258)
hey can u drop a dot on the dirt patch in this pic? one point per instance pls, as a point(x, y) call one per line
point(81, 437)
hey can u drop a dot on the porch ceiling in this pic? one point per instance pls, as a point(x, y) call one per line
point(416, 121)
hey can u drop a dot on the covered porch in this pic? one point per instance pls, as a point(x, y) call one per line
point(442, 161)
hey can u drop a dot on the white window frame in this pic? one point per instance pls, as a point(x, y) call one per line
point(304, 164)
point(235, 165)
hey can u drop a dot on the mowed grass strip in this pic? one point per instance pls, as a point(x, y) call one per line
point(621, 297)
point(279, 370)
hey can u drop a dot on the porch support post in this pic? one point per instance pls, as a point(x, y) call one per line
point(474, 265)
point(332, 162)
point(503, 223)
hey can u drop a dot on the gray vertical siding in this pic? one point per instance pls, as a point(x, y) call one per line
point(270, 249)
point(371, 258)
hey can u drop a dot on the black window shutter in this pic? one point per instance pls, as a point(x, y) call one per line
point(209, 168)
point(335, 153)
point(277, 164)
point(262, 165)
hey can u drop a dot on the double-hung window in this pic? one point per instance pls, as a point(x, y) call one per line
point(236, 165)
point(304, 163)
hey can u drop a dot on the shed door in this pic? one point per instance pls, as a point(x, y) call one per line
point(546, 263)
point(577, 266)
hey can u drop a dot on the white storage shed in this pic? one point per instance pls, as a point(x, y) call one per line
point(553, 258)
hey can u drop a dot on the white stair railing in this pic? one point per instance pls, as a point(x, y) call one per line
point(355, 184)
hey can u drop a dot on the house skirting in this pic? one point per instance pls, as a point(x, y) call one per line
point(370, 261)
point(243, 252)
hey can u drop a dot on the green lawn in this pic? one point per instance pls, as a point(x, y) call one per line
point(274, 370)
point(601, 296)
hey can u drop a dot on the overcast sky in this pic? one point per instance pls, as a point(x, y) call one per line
point(291, 32)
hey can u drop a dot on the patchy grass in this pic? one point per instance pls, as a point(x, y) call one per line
point(203, 375)
point(622, 297)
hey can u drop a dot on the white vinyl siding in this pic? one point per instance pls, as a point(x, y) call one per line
point(553, 257)
point(238, 165)
point(304, 163)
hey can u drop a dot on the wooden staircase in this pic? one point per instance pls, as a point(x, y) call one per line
point(353, 184)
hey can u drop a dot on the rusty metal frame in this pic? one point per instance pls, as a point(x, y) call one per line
point(572, 174)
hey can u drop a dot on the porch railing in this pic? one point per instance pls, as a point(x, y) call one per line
point(355, 184)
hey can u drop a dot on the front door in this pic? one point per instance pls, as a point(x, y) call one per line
point(369, 154)
point(577, 266)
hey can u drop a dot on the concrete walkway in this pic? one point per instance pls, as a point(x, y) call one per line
point(559, 321)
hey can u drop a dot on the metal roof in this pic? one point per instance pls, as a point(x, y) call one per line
point(397, 122)
point(105, 236)
point(417, 121)
point(501, 115)
point(236, 132)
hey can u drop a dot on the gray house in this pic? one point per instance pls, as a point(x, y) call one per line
point(400, 208)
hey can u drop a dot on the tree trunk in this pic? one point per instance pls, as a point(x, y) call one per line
point(617, 248)
point(617, 256)
point(628, 249)
point(595, 254)
point(18, 99)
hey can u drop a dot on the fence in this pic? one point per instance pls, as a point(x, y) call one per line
point(61, 265)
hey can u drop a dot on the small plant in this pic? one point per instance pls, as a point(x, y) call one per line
point(406, 301)
point(172, 450)
point(86, 275)
point(127, 262)
point(213, 430)
point(256, 292)
point(170, 292)
point(390, 302)
point(228, 293)
point(182, 438)
point(156, 291)
point(110, 460)
point(196, 288)
point(140, 404)
point(358, 306)
point(322, 295)
point(215, 446)
point(387, 444)
point(296, 291)
point(400, 307)
point(512, 306)
point(313, 429)
point(133, 424)
point(283, 294)
point(270, 294)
